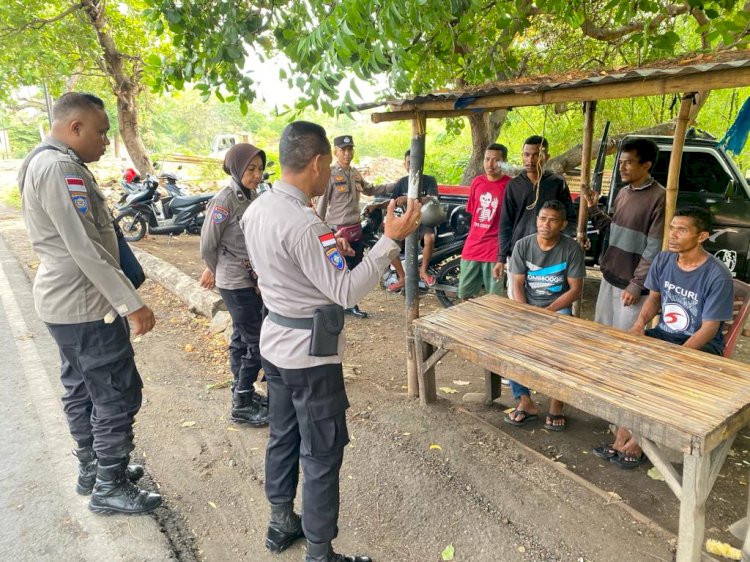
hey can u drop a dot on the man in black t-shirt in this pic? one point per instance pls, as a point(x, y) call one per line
point(426, 233)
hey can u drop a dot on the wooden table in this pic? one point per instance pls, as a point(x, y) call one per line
point(671, 397)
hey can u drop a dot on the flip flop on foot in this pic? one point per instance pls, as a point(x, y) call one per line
point(550, 424)
point(513, 417)
point(397, 286)
point(428, 279)
point(605, 451)
point(628, 462)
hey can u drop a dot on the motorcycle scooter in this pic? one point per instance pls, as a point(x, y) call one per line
point(445, 261)
point(179, 214)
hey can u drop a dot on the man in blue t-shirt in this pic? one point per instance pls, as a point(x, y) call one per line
point(547, 271)
point(694, 292)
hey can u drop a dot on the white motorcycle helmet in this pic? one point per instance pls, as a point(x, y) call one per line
point(433, 213)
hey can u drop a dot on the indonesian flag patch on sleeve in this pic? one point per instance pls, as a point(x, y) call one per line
point(75, 183)
point(77, 192)
point(328, 241)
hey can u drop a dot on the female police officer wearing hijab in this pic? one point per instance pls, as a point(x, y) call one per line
point(228, 268)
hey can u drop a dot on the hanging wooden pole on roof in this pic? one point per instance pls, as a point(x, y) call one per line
point(589, 111)
point(675, 161)
point(418, 130)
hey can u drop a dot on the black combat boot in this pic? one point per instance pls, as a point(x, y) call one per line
point(249, 411)
point(87, 463)
point(114, 493)
point(284, 528)
point(323, 552)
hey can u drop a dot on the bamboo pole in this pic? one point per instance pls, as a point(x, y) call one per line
point(675, 161)
point(589, 112)
point(418, 127)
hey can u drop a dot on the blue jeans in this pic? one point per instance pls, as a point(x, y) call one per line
point(519, 390)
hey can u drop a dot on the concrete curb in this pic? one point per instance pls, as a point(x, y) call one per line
point(199, 300)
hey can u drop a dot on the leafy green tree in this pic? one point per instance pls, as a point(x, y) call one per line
point(425, 45)
point(63, 43)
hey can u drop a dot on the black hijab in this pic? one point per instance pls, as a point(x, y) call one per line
point(238, 158)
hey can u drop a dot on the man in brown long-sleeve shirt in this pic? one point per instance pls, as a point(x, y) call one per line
point(636, 229)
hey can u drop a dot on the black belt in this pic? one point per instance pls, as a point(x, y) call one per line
point(287, 322)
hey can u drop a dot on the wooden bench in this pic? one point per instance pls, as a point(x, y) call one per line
point(671, 397)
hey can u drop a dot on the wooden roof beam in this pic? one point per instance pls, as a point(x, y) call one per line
point(708, 80)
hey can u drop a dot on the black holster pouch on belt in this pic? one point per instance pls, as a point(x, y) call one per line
point(328, 321)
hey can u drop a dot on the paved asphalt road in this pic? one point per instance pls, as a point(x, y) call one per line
point(41, 516)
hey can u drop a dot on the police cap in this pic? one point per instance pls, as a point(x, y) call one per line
point(343, 141)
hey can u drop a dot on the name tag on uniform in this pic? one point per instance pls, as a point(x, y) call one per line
point(77, 192)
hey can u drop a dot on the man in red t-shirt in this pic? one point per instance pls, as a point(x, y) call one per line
point(482, 244)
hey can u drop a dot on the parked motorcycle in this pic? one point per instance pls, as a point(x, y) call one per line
point(446, 257)
point(178, 214)
point(132, 185)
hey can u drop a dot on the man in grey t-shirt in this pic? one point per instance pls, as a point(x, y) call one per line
point(547, 271)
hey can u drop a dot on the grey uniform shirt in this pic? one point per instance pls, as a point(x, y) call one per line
point(299, 269)
point(339, 205)
point(222, 242)
point(70, 228)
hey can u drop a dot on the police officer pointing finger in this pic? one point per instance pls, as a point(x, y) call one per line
point(84, 298)
point(228, 267)
point(305, 284)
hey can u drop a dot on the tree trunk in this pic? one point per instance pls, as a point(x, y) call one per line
point(125, 85)
point(485, 128)
point(572, 158)
point(127, 117)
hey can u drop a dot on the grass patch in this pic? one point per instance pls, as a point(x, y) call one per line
point(10, 196)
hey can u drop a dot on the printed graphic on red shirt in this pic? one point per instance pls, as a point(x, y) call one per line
point(485, 202)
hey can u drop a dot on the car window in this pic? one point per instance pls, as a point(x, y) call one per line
point(701, 172)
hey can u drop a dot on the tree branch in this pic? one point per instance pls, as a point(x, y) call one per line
point(39, 23)
point(590, 29)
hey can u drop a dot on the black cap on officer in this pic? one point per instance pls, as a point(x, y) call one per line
point(343, 141)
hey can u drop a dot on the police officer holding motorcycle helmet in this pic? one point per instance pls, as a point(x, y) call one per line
point(228, 268)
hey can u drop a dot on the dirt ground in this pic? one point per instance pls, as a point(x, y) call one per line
point(414, 480)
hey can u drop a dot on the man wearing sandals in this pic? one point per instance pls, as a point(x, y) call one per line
point(547, 271)
point(428, 188)
point(692, 293)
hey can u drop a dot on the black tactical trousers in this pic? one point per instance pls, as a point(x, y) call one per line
point(307, 415)
point(102, 384)
point(246, 309)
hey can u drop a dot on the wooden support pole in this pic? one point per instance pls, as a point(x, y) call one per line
point(589, 112)
point(675, 161)
point(695, 490)
point(419, 127)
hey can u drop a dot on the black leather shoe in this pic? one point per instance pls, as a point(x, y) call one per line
point(114, 493)
point(246, 409)
point(284, 528)
point(87, 463)
point(355, 311)
point(317, 552)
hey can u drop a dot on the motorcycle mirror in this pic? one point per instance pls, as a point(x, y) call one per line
point(270, 163)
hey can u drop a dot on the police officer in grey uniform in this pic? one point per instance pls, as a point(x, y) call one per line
point(339, 205)
point(305, 285)
point(228, 268)
point(86, 301)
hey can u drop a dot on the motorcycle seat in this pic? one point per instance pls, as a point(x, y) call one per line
point(186, 201)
